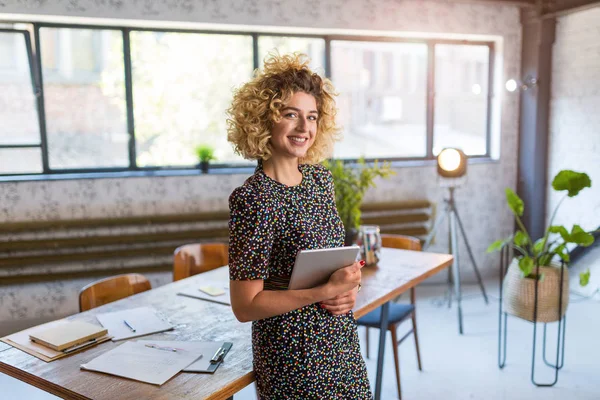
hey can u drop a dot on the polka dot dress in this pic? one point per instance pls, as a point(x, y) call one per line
point(306, 353)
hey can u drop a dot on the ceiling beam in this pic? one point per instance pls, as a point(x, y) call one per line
point(556, 8)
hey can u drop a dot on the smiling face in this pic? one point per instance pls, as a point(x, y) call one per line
point(295, 133)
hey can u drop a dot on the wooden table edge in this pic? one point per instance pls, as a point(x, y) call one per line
point(233, 388)
point(60, 391)
point(361, 312)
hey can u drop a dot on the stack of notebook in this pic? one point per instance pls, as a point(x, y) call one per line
point(57, 339)
point(69, 337)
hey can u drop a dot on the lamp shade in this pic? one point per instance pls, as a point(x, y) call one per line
point(451, 163)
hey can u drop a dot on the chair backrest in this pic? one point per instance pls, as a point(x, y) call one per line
point(112, 289)
point(405, 243)
point(401, 242)
point(195, 258)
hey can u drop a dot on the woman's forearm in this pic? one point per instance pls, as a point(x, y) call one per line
point(269, 303)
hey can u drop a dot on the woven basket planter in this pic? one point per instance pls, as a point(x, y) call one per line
point(519, 293)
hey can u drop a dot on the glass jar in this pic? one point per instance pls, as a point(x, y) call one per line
point(369, 240)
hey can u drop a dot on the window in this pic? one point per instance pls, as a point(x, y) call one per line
point(461, 98)
point(313, 47)
point(20, 150)
point(90, 98)
point(382, 101)
point(84, 98)
point(182, 85)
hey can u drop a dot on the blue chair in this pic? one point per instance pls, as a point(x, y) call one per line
point(398, 312)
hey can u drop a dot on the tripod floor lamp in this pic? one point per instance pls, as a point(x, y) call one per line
point(452, 164)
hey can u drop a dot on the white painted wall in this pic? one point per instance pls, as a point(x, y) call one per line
point(575, 119)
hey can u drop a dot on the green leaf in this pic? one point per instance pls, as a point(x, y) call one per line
point(562, 253)
point(544, 260)
point(514, 202)
point(205, 152)
point(560, 230)
point(584, 278)
point(351, 181)
point(526, 266)
point(521, 239)
point(497, 245)
point(571, 181)
point(538, 246)
point(580, 237)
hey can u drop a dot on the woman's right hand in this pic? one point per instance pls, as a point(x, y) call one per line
point(346, 278)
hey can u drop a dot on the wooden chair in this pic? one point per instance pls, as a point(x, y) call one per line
point(194, 258)
point(111, 289)
point(398, 312)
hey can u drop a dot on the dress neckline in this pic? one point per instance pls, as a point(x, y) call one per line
point(301, 167)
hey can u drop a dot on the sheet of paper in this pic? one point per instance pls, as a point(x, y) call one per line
point(144, 320)
point(134, 360)
point(214, 291)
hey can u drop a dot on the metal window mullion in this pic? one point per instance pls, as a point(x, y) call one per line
point(327, 57)
point(40, 101)
point(129, 98)
point(490, 97)
point(430, 98)
point(255, 60)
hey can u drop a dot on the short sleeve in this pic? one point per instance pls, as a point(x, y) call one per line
point(251, 235)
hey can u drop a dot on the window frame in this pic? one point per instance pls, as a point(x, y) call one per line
point(36, 88)
point(134, 170)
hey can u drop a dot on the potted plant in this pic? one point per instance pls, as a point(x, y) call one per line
point(540, 261)
point(351, 183)
point(205, 154)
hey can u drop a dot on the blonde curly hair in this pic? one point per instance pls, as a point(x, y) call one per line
point(256, 104)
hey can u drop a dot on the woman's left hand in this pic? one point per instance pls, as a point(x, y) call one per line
point(341, 304)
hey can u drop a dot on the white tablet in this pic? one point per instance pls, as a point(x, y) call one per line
point(314, 267)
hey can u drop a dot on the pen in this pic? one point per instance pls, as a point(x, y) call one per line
point(153, 346)
point(218, 355)
point(129, 326)
point(79, 346)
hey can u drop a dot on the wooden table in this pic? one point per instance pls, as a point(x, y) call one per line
point(194, 319)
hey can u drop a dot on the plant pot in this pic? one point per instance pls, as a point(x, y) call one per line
point(204, 167)
point(519, 293)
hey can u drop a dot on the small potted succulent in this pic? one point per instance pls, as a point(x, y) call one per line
point(542, 259)
point(205, 154)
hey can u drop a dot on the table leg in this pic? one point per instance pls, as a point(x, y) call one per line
point(385, 310)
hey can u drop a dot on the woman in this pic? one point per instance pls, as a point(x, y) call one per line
point(305, 342)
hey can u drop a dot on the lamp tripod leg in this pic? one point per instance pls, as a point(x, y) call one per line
point(451, 286)
point(436, 225)
point(464, 236)
point(456, 270)
point(434, 229)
